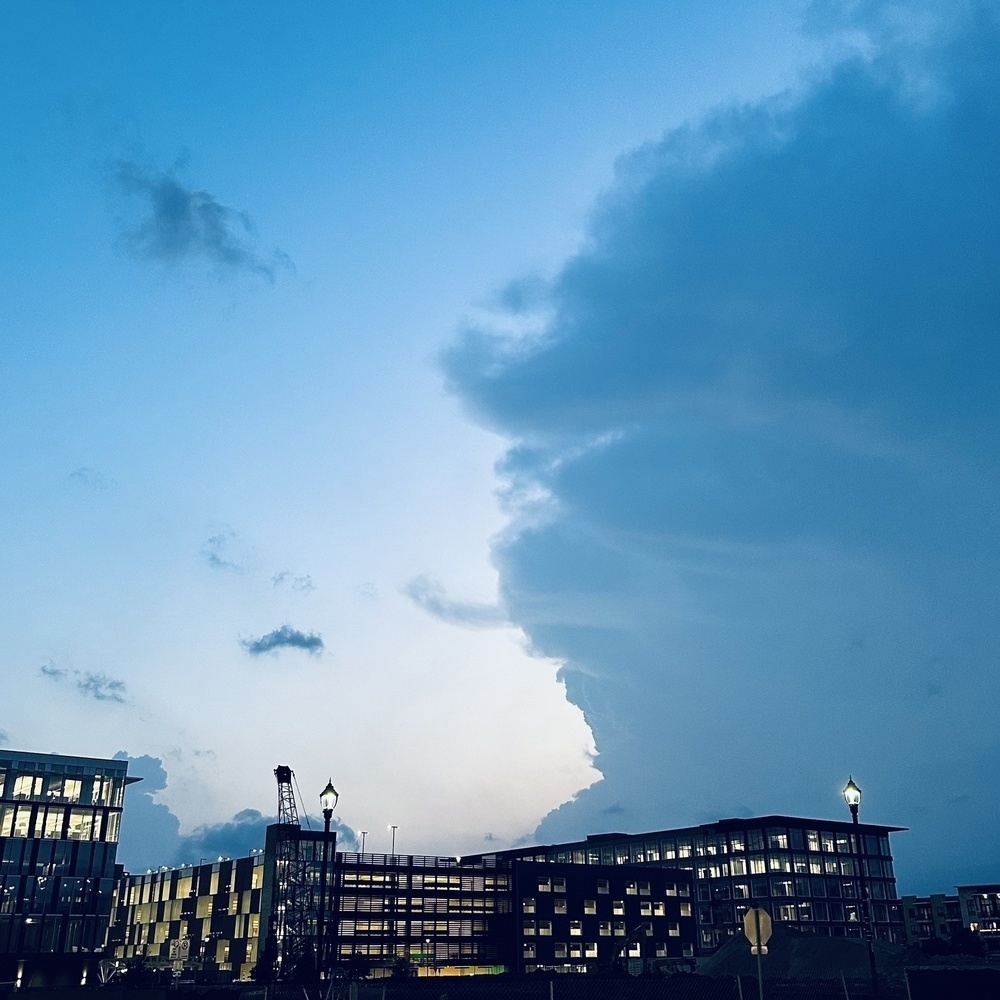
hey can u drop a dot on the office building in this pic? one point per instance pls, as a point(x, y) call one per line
point(803, 871)
point(431, 916)
point(980, 908)
point(59, 820)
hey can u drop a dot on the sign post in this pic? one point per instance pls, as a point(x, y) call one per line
point(757, 927)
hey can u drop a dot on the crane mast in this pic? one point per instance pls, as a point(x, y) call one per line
point(292, 925)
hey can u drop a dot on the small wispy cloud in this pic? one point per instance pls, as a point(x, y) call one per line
point(285, 637)
point(303, 584)
point(430, 595)
point(219, 553)
point(100, 687)
point(90, 478)
point(182, 224)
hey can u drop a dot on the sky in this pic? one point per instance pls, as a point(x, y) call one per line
point(542, 419)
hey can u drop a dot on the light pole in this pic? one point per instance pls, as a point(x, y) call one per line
point(328, 801)
point(852, 795)
point(393, 827)
point(364, 834)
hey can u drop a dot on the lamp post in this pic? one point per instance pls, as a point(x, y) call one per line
point(852, 795)
point(328, 801)
point(364, 835)
point(393, 827)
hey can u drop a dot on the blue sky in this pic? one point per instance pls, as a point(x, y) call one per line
point(570, 414)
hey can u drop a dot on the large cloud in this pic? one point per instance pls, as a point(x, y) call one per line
point(753, 470)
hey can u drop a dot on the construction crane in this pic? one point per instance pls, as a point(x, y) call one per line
point(291, 913)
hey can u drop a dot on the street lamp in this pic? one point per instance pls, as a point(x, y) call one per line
point(328, 802)
point(852, 796)
point(393, 827)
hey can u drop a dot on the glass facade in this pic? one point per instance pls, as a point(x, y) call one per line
point(805, 872)
point(59, 820)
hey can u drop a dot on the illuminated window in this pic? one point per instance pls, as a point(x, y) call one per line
point(643, 888)
point(737, 842)
point(559, 949)
point(576, 928)
point(590, 949)
point(618, 907)
point(780, 863)
point(619, 928)
point(757, 865)
point(603, 887)
point(812, 840)
point(738, 866)
point(685, 909)
point(631, 889)
point(559, 885)
point(544, 885)
point(545, 928)
point(777, 839)
point(604, 928)
point(529, 951)
point(559, 906)
point(659, 909)
point(528, 906)
point(528, 927)
point(671, 889)
point(590, 906)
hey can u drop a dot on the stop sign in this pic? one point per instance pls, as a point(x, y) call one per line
point(757, 927)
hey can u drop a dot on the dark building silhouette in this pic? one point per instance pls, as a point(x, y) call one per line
point(59, 820)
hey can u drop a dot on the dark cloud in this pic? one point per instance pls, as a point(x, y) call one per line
point(429, 594)
point(182, 224)
point(100, 687)
point(150, 833)
point(758, 419)
point(285, 637)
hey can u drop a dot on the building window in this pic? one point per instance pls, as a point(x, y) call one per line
point(685, 909)
point(545, 928)
point(673, 930)
point(619, 928)
point(604, 928)
point(590, 906)
point(618, 907)
point(603, 887)
point(545, 885)
point(659, 909)
point(559, 949)
point(784, 911)
point(631, 889)
point(528, 951)
point(590, 949)
point(644, 889)
point(671, 889)
point(777, 839)
point(559, 885)
point(528, 927)
point(576, 928)
point(738, 866)
point(528, 906)
point(559, 906)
